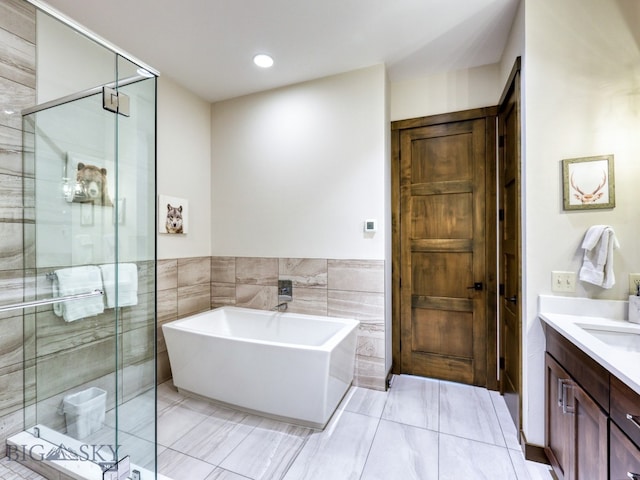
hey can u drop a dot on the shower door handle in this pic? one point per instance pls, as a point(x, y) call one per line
point(50, 301)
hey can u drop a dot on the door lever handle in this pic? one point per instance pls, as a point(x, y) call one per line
point(476, 286)
point(513, 299)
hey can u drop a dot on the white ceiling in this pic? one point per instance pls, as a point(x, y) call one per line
point(207, 45)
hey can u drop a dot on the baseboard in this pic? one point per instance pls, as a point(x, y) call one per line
point(532, 452)
point(389, 380)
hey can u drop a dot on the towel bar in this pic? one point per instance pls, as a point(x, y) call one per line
point(51, 276)
point(49, 301)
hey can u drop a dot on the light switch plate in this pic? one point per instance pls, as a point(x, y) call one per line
point(633, 277)
point(563, 282)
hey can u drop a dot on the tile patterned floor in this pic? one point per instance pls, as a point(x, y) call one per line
point(10, 470)
point(420, 429)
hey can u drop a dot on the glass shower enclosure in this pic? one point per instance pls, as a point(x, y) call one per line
point(89, 196)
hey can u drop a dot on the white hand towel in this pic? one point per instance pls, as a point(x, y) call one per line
point(74, 281)
point(597, 262)
point(127, 284)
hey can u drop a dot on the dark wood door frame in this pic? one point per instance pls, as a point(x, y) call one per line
point(509, 108)
point(490, 280)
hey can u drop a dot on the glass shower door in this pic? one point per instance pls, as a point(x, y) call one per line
point(70, 380)
point(135, 225)
point(90, 363)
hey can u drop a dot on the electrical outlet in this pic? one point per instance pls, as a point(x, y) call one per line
point(633, 278)
point(563, 281)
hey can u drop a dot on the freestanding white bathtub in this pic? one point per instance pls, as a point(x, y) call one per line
point(287, 366)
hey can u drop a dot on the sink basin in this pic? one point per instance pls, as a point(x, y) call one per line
point(625, 338)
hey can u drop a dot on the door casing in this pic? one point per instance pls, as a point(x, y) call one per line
point(490, 280)
point(510, 247)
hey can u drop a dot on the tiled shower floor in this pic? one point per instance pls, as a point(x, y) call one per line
point(420, 429)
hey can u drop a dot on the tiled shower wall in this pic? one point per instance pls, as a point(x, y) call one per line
point(335, 288)
point(17, 91)
point(66, 357)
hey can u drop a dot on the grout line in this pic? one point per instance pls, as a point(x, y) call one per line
point(475, 440)
point(440, 393)
point(439, 454)
point(373, 439)
point(184, 455)
point(495, 409)
point(297, 454)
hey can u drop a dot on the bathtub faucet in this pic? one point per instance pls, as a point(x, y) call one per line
point(281, 307)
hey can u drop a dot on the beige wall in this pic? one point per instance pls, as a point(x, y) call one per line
point(296, 171)
point(581, 77)
point(446, 92)
point(514, 47)
point(89, 66)
point(184, 166)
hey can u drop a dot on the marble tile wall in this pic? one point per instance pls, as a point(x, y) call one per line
point(184, 288)
point(17, 91)
point(66, 357)
point(57, 344)
point(336, 288)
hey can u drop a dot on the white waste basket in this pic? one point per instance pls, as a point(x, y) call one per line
point(84, 412)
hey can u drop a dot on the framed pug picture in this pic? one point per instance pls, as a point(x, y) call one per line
point(173, 215)
point(588, 183)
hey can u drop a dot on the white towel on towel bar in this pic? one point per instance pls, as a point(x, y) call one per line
point(127, 284)
point(597, 263)
point(73, 281)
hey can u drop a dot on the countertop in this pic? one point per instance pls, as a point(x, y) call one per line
point(566, 317)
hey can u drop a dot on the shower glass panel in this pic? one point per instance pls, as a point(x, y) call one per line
point(90, 206)
point(135, 224)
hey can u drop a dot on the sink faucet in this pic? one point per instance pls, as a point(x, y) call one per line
point(281, 307)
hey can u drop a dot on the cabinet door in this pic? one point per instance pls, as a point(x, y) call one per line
point(625, 456)
point(559, 424)
point(590, 446)
point(625, 409)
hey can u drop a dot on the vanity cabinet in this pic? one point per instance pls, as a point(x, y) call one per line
point(625, 457)
point(558, 423)
point(576, 428)
point(625, 409)
point(592, 407)
point(589, 441)
point(624, 433)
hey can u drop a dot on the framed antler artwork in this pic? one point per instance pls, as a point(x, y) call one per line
point(588, 183)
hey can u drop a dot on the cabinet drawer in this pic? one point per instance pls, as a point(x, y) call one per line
point(624, 460)
point(624, 402)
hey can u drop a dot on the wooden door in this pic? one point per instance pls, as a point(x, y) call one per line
point(441, 247)
point(510, 248)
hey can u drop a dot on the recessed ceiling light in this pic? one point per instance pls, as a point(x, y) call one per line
point(263, 60)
